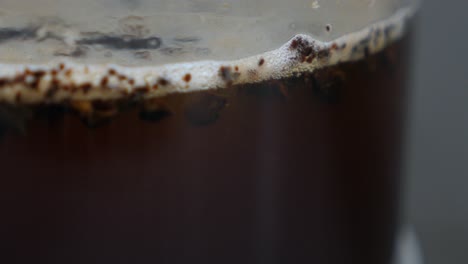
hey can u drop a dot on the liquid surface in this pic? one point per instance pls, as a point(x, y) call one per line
point(65, 80)
point(146, 32)
point(69, 74)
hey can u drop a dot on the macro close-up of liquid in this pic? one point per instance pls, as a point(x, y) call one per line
point(195, 131)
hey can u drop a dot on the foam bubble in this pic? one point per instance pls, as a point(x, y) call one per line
point(48, 60)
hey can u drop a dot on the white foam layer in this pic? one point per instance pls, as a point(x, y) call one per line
point(65, 79)
point(188, 30)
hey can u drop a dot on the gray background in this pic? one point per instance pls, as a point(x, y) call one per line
point(437, 161)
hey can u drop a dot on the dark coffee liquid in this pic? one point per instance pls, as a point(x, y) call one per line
point(300, 170)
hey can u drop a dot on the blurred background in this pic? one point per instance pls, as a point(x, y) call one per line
point(437, 191)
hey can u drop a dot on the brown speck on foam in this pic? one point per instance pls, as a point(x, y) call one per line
point(19, 78)
point(187, 77)
point(261, 62)
point(104, 81)
point(295, 43)
point(307, 54)
point(35, 84)
point(155, 86)
point(54, 82)
point(163, 82)
point(85, 87)
point(112, 72)
point(305, 50)
point(334, 46)
point(122, 77)
point(236, 68)
point(61, 66)
point(68, 73)
point(225, 73)
point(38, 74)
point(53, 72)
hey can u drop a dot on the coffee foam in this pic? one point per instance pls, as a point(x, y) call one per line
point(60, 79)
